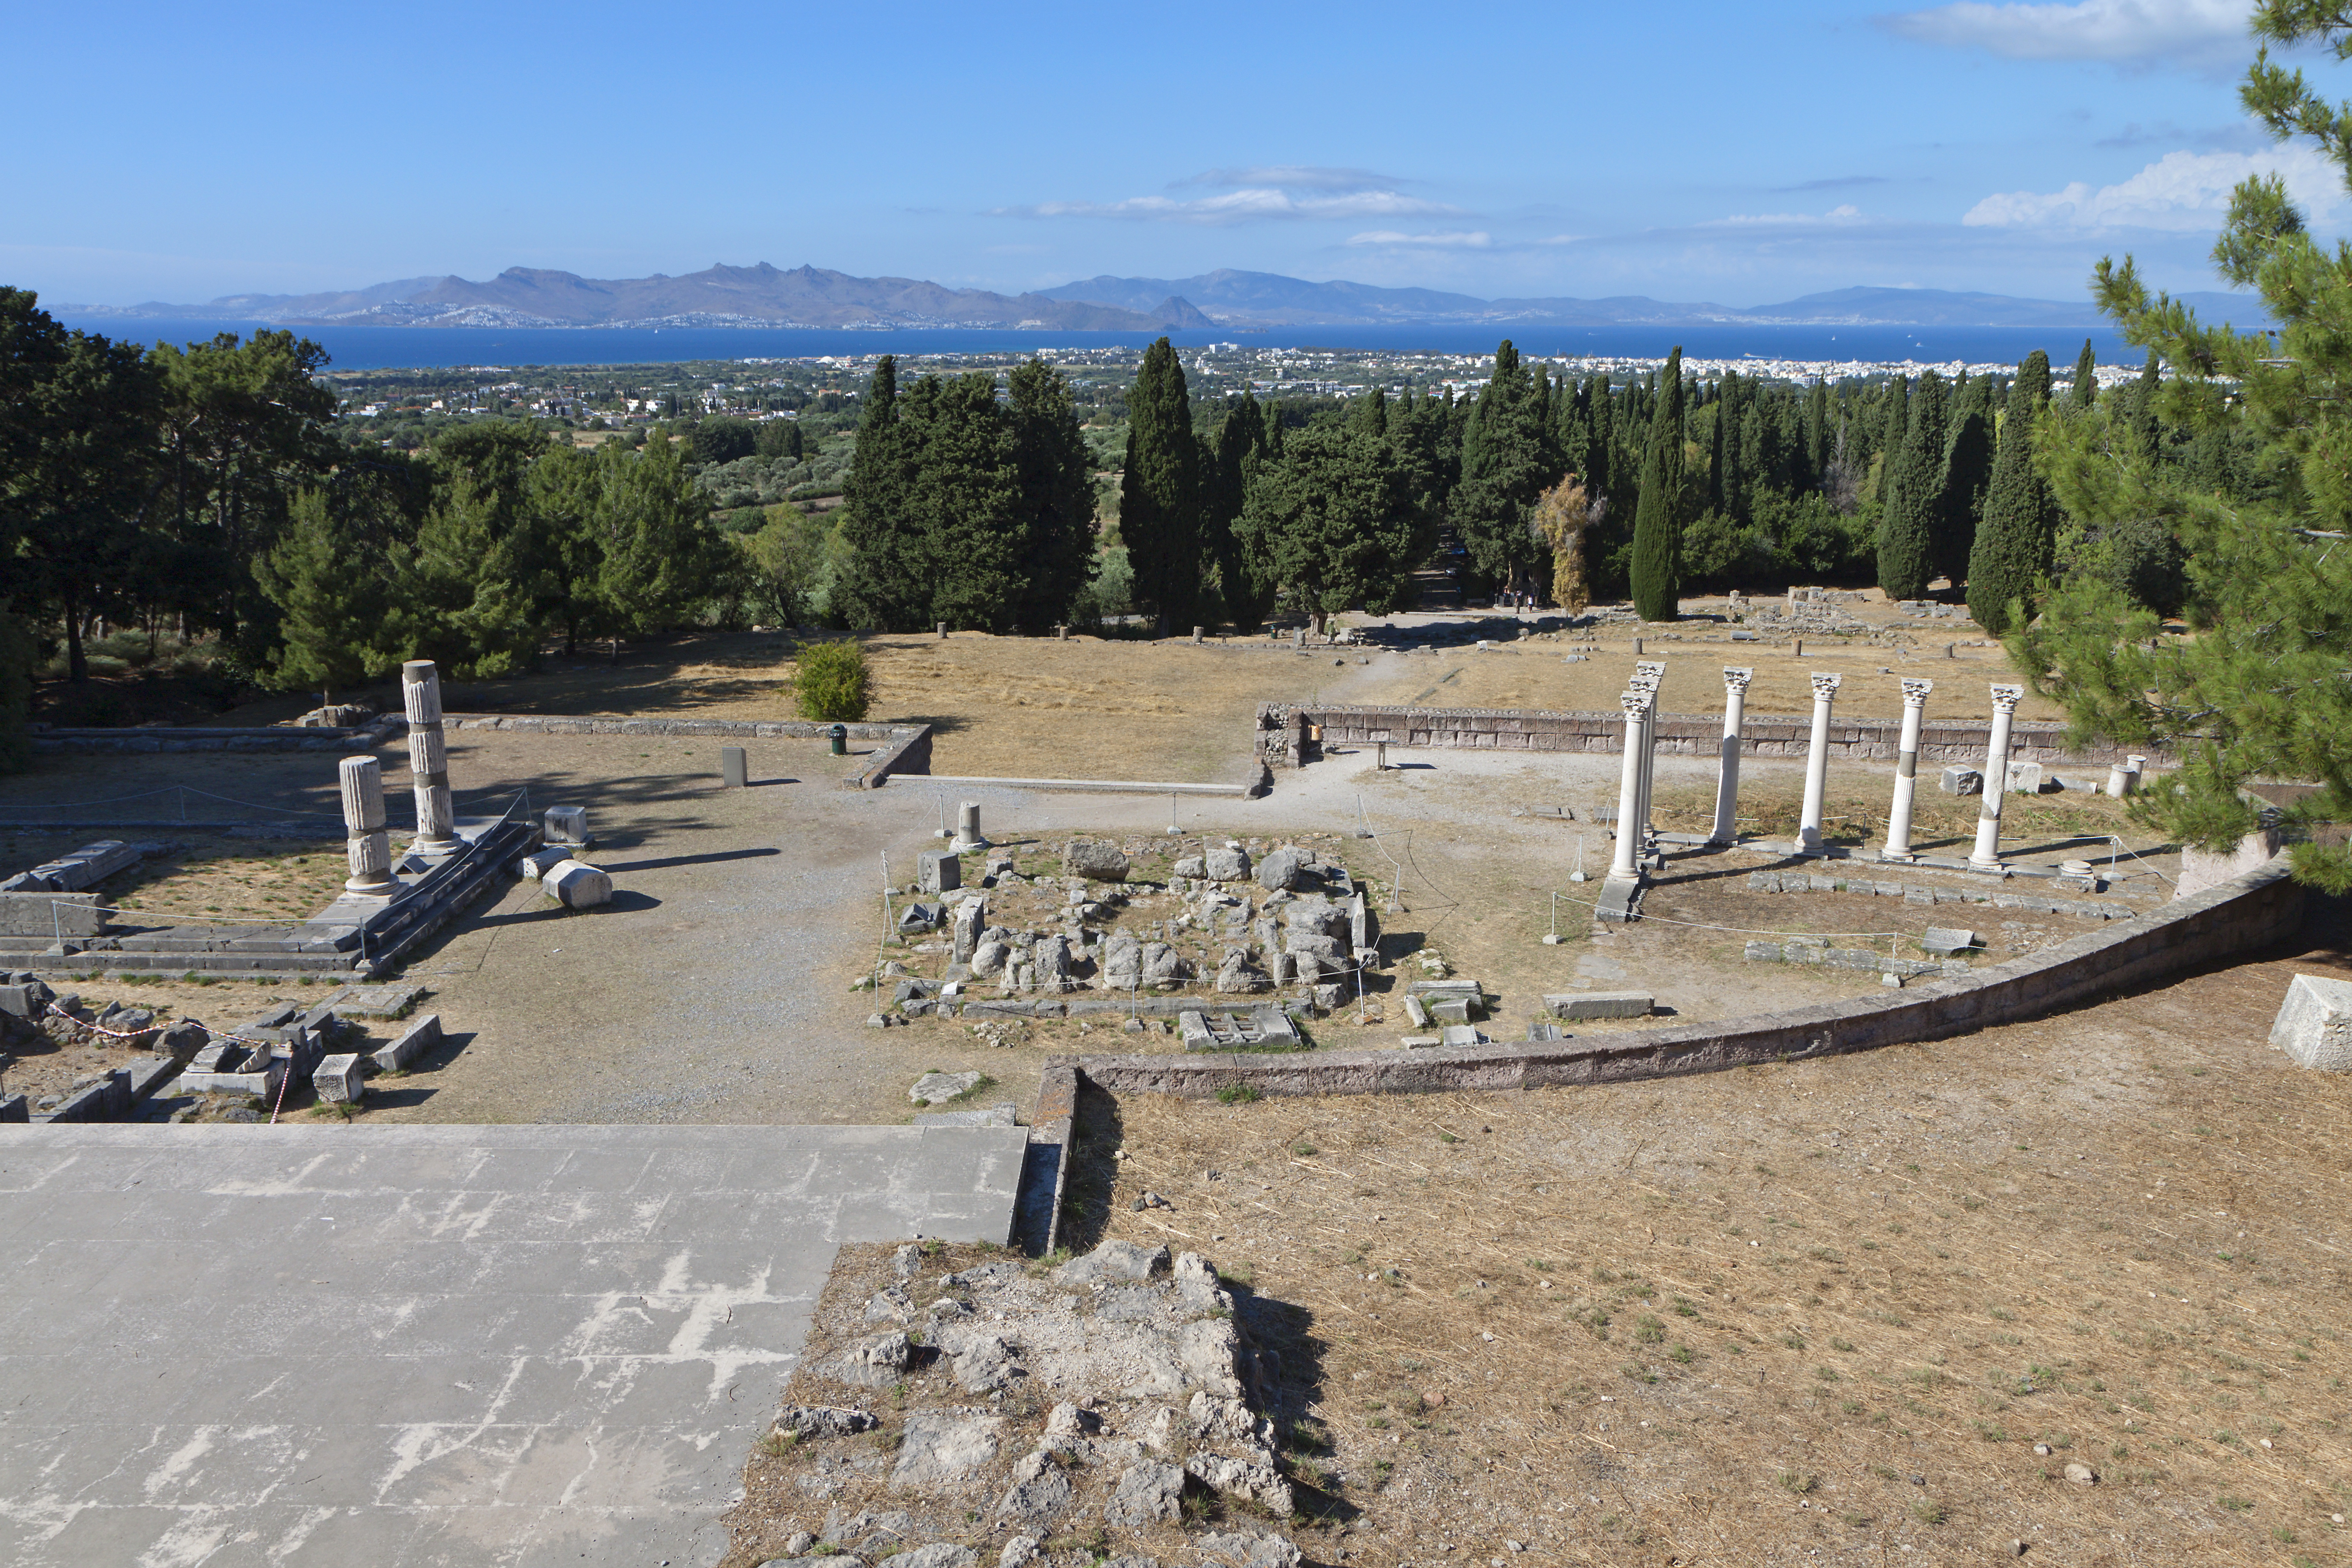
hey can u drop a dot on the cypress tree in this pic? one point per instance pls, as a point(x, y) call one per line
point(1968, 470)
point(1057, 496)
point(1657, 526)
point(2086, 380)
point(1242, 439)
point(1159, 496)
point(1914, 472)
point(2145, 426)
point(1596, 454)
point(2018, 537)
point(883, 582)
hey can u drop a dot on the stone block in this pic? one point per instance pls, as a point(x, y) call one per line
point(338, 1081)
point(414, 1042)
point(1764, 881)
point(1458, 1034)
point(566, 825)
point(1961, 780)
point(1941, 941)
point(1096, 861)
point(51, 915)
point(540, 862)
point(1764, 951)
point(938, 871)
point(87, 866)
point(2026, 778)
point(1449, 1009)
point(1574, 1005)
point(149, 1076)
point(1225, 864)
point(576, 886)
point(2315, 1025)
point(734, 767)
point(14, 1108)
point(1915, 894)
point(1281, 870)
point(1820, 884)
point(934, 1087)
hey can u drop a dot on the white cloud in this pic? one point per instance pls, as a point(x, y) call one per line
point(1474, 240)
point(2189, 191)
point(1297, 178)
point(1249, 204)
point(2123, 30)
point(1845, 213)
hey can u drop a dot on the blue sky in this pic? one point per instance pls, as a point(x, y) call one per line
point(1737, 153)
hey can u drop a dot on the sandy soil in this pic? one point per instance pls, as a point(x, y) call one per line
point(1814, 1312)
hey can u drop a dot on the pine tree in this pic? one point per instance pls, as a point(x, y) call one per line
point(324, 588)
point(2086, 380)
point(1159, 497)
point(1914, 473)
point(1657, 522)
point(1968, 471)
point(2018, 536)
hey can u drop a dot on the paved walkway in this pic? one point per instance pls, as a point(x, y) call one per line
point(460, 1345)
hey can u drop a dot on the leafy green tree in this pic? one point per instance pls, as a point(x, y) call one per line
point(1657, 521)
point(1908, 526)
point(780, 439)
point(82, 481)
point(791, 558)
point(1334, 520)
point(723, 439)
point(245, 430)
point(2017, 538)
point(327, 592)
point(1054, 478)
point(1159, 494)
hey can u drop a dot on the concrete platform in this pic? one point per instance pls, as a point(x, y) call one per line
point(512, 1345)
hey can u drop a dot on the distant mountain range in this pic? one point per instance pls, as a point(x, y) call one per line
point(762, 296)
point(1231, 299)
point(756, 296)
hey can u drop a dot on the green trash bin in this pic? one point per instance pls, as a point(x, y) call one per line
point(839, 735)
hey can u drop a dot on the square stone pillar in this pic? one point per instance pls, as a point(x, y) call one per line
point(1726, 778)
point(368, 846)
point(1906, 770)
point(1817, 764)
point(428, 758)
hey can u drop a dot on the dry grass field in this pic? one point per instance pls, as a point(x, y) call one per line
point(1832, 1311)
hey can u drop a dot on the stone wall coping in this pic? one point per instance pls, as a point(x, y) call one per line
point(2247, 911)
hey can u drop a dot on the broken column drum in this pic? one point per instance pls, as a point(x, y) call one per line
point(968, 836)
point(370, 846)
point(1987, 852)
point(1727, 780)
point(428, 757)
point(1906, 770)
point(1817, 764)
point(1624, 864)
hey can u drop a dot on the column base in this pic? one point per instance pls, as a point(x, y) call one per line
point(1809, 841)
point(436, 847)
point(966, 845)
point(1904, 855)
point(371, 888)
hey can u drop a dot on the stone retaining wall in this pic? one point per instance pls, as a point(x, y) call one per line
point(633, 724)
point(1527, 729)
point(2248, 912)
point(206, 738)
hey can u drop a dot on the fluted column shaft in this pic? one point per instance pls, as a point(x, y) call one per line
point(1987, 852)
point(1817, 762)
point(369, 847)
point(428, 757)
point(1726, 778)
point(1907, 771)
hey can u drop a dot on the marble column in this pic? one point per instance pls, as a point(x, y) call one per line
point(968, 836)
point(369, 845)
point(1726, 778)
point(1817, 764)
point(1624, 864)
point(1906, 770)
point(428, 758)
point(1987, 852)
point(1648, 676)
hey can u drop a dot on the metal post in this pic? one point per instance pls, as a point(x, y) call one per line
point(1817, 764)
point(1987, 854)
point(1906, 770)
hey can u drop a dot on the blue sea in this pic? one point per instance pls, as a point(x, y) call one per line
point(411, 348)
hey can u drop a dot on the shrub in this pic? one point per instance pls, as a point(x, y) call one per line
point(829, 683)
